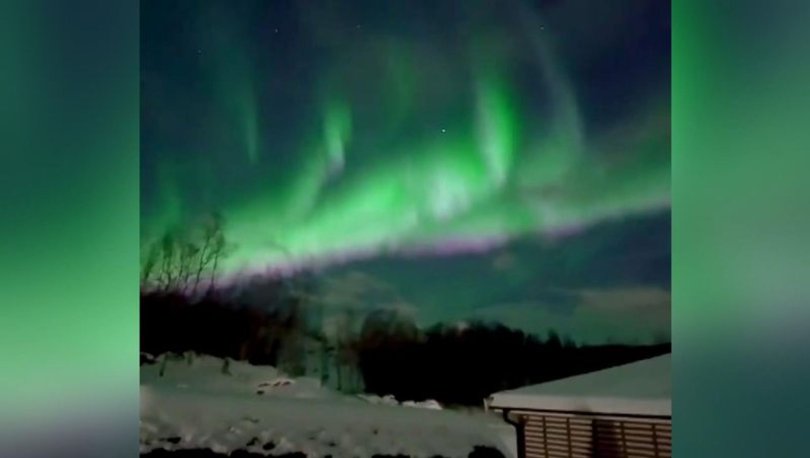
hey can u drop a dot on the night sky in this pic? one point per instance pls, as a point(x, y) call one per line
point(501, 160)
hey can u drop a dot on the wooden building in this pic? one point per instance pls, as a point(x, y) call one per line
point(623, 411)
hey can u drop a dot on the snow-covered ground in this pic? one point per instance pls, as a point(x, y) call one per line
point(203, 402)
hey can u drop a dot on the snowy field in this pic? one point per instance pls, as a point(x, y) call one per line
point(236, 409)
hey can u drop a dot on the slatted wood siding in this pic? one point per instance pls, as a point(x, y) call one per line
point(580, 436)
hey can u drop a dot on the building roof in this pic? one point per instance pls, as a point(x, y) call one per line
point(639, 388)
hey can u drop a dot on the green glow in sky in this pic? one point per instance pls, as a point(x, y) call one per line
point(339, 141)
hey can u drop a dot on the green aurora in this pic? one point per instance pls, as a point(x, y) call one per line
point(325, 136)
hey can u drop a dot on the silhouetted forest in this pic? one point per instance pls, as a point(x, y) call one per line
point(390, 355)
point(457, 366)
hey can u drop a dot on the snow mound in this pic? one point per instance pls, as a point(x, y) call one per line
point(281, 381)
point(203, 373)
point(202, 402)
point(426, 404)
point(177, 419)
point(388, 399)
point(293, 388)
point(392, 401)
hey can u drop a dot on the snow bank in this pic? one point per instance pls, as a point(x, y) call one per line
point(178, 419)
point(392, 401)
point(197, 405)
point(426, 404)
point(202, 373)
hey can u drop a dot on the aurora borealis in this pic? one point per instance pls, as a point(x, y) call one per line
point(393, 138)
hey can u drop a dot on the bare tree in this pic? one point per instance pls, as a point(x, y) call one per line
point(168, 266)
point(151, 257)
point(341, 302)
point(188, 253)
point(214, 249)
point(184, 256)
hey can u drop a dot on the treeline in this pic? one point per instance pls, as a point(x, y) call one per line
point(217, 326)
point(388, 353)
point(463, 366)
point(170, 322)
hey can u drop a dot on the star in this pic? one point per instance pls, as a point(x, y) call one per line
point(444, 131)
